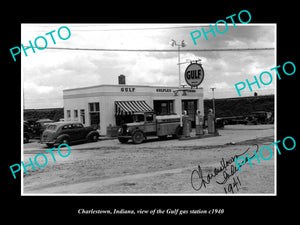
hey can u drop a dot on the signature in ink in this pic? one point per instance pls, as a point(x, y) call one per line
point(230, 187)
point(198, 180)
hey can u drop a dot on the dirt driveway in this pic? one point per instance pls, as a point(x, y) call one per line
point(198, 166)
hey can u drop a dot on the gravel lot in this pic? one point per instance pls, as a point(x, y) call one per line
point(156, 167)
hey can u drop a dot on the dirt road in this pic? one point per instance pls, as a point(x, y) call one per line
point(157, 167)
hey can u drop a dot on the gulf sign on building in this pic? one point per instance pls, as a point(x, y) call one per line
point(194, 74)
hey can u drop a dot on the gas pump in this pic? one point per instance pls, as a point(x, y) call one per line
point(199, 123)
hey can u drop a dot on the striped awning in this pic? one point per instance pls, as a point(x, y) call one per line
point(131, 107)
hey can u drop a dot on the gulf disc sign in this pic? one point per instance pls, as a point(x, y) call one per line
point(194, 74)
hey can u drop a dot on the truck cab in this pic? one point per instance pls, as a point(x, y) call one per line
point(149, 124)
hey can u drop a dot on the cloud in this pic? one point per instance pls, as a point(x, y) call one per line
point(221, 85)
point(39, 96)
point(37, 89)
point(46, 73)
point(152, 71)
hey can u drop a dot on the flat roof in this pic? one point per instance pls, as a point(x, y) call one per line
point(122, 85)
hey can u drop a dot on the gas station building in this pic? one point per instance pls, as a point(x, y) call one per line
point(109, 105)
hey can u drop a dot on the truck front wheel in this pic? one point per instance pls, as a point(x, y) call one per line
point(138, 137)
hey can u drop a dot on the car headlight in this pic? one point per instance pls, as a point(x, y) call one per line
point(120, 130)
point(127, 130)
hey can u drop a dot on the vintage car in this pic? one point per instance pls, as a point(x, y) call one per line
point(27, 132)
point(148, 124)
point(38, 126)
point(260, 117)
point(41, 125)
point(67, 132)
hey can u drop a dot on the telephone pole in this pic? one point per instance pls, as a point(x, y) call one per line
point(181, 45)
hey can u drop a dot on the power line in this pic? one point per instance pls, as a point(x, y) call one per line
point(134, 29)
point(161, 50)
point(128, 29)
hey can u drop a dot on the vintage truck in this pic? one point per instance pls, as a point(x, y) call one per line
point(149, 124)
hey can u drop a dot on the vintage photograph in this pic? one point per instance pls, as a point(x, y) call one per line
point(148, 109)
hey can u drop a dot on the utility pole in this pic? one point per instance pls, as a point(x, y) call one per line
point(182, 44)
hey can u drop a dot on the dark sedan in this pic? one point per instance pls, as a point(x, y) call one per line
point(67, 132)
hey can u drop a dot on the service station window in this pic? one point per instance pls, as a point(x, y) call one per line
point(68, 114)
point(163, 107)
point(75, 113)
point(94, 107)
point(82, 116)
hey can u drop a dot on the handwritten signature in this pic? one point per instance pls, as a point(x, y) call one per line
point(198, 180)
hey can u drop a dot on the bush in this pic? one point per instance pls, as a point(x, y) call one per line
point(241, 106)
point(52, 113)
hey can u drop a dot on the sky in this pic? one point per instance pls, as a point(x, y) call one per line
point(46, 73)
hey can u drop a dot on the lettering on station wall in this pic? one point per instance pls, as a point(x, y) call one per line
point(163, 90)
point(168, 90)
point(127, 89)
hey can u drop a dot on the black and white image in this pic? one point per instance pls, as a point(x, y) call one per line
point(120, 96)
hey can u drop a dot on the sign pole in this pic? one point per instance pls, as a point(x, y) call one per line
point(182, 44)
point(180, 97)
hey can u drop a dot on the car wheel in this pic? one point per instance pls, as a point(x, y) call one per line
point(65, 141)
point(94, 137)
point(138, 137)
